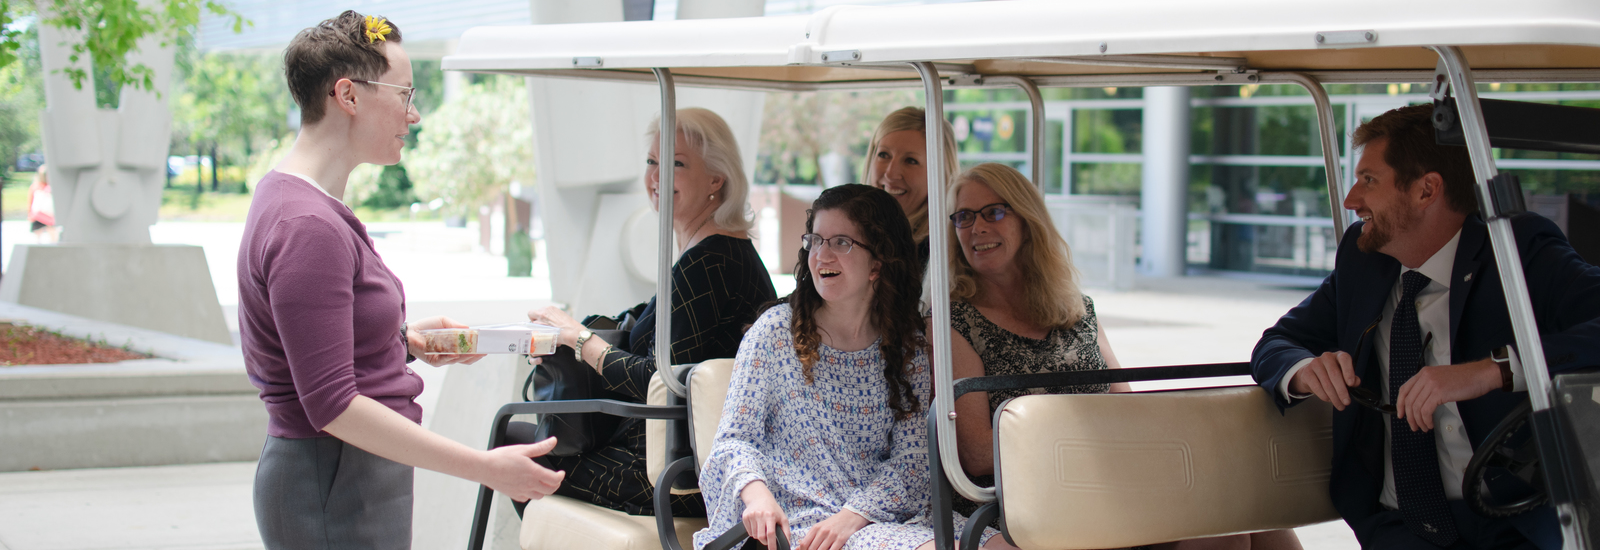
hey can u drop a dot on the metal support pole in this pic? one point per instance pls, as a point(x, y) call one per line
point(665, 251)
point(1330, 147)
point(939, 279)
point(1036, 134)
point(1509, 261)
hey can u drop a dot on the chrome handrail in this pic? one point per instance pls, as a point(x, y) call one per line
point(665, 253)
point(1509, 262)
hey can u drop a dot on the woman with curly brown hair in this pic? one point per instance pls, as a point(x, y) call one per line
point(821, 433)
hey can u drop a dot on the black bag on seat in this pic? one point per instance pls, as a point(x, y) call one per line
point(562, 377)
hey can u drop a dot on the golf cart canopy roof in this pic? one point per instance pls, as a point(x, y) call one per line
point(1062, 43)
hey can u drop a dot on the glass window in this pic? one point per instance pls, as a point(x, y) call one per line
point(1053, 155)
point(1107, 178)
point(1107, 130)
point(990, 130)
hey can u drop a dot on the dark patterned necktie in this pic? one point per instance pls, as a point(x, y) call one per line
point(1416, 459)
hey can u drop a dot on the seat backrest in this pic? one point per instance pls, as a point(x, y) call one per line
point(1119, 470)
point(708, 389)
point(658, 434)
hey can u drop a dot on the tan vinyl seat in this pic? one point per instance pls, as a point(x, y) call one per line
point(557, 522)
point(708, 388)
point(1119, 470)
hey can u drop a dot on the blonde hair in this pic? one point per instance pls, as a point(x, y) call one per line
point(43, 175)
point(1051, 283)
point(710, 136)
point(914, 118)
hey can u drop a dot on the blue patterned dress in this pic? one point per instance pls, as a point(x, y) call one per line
point(822, 447)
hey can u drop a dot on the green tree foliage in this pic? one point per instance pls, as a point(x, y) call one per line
point(473, 146)
point(21, 102)
point(228, 105)
point(10, 39)
point(111, 30)
point(798, 128)
point(389, 187)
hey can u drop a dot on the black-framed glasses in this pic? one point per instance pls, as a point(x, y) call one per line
point(411, 91)
point(1366, 397)
point(990, 213)
point(1361, 395)
point(839, 245)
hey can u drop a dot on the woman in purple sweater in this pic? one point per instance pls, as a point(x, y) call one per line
point(322, 319)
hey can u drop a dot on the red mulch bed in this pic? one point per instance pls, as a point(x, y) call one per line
point(25, 345)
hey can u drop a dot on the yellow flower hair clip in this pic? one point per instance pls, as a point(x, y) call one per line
point(377, 29)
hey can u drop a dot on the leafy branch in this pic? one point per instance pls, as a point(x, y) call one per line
point(10, 39)
point(112, 29)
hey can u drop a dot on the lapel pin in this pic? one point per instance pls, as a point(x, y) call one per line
point(1467, 278)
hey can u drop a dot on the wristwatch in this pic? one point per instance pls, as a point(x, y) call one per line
point(1502, 356)
point(583, 336)
point(405, 344)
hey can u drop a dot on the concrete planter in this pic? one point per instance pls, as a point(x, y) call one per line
point(190, 404)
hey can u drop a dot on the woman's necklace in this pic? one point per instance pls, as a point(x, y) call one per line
point(690, 241)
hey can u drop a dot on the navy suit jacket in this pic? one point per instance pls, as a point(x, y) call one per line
point(1565, 293)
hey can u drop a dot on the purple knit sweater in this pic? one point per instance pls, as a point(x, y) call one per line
point(319, 313)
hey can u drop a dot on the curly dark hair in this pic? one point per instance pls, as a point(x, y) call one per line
point(894, 295)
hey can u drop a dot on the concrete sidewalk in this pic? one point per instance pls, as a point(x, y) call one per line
point(205, 507)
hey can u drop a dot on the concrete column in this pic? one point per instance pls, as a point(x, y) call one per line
point(1164, 194)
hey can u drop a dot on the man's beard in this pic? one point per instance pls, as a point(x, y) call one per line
point(1385, 225)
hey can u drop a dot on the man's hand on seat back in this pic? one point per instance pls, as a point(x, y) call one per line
point(1328, 377)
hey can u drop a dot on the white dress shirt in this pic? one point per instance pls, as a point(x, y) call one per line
point(1433, 315)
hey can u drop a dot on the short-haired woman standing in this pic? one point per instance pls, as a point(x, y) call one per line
point(322, 319)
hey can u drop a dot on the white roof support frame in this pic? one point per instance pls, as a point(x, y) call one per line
point(1508, 260)
point(666, 251)
point(1072, 81)
point(1054, 44)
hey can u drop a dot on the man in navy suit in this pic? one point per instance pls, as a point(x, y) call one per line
point(1414, 313)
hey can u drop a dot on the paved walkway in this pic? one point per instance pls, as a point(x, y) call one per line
point(1160, 322)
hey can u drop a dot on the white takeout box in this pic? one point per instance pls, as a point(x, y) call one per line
point(523, 338)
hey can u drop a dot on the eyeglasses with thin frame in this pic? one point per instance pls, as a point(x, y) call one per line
point(991, 213)
point(411, 91)
point(839, 245)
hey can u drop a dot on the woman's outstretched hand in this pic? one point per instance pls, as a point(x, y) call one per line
point(762, 515)
point(416, 345)
point(832, 533)
point(557, 317)
point(508, 470)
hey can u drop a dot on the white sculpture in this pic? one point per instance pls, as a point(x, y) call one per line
point(107, 173)
point(107, 166)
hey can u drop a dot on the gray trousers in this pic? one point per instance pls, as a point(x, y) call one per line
point(322, 493)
